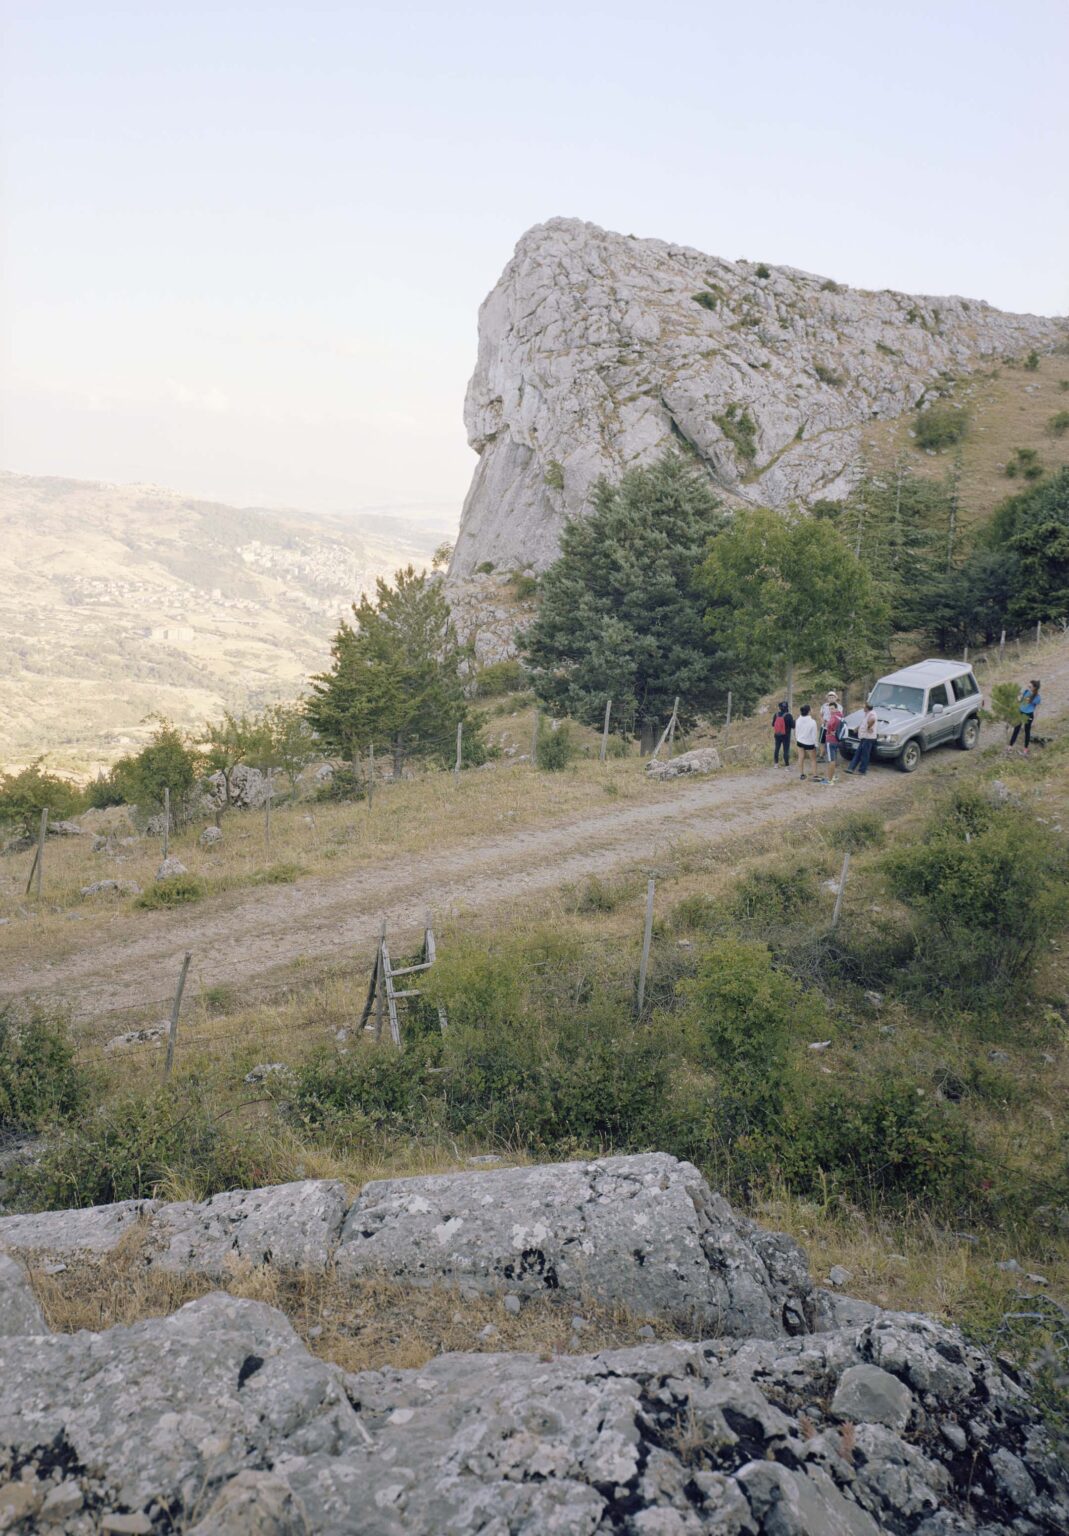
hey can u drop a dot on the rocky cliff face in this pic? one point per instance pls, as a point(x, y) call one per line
point(598, 349)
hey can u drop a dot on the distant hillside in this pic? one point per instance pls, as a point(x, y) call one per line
point(120, 601)
point(598, 349)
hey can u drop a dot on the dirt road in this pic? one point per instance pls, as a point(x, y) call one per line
point(243, 936)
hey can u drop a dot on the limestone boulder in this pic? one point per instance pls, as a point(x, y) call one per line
point(290, 1226)
point(20, 1311)
point(171, 868)
point(216, 1419)
point(642, 1232)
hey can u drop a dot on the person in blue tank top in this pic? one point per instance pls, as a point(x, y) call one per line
point(1028, 703)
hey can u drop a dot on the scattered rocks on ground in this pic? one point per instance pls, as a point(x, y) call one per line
point(152, 1034)
point(210, 836)
point(701, 760)
point(112, 888)
point(65, 829)
point(268, 1069)
point(171, 868)
point(248, 789)
point(838, 1275)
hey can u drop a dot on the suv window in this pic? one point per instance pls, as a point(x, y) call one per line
point(964, 686)
point(938, 695)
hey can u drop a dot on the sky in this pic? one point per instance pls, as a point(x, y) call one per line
point(244, 245)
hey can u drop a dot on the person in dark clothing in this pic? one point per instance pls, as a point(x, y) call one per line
point(782, 726)
point(1027, 705)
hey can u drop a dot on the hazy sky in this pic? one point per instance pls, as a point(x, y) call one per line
point(245, 244)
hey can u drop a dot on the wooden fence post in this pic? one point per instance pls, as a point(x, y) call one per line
point(1039, 630)
point(534, 738)
point(605, 731)
point(1002, 645)
point(172, 1032)
point(672, 726)
point(839, 893)
point(370, 774)
point(965, 657)
point(647, 937)
point(267, 811)
point(380, 997)
point(41, 839)
point(166, 821)
point(460, 752)
point(727, 719)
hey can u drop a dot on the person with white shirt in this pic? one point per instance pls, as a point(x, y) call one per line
point(805, 739)
point(866, 743)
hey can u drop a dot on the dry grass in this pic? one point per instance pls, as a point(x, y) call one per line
point(359, 1325)
point(1009, 408)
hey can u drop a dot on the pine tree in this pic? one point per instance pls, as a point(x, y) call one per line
point(395, 678)
point(620, 615)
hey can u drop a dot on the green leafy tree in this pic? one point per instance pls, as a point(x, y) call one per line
point(783, 591)
point(620, 615)
point(23, 796)
point(168, 762)
point(291, 743)
point(395, 677)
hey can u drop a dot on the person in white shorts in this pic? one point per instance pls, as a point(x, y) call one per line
point(805, 739)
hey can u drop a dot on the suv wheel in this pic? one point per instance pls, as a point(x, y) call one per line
point(910, 756)
point(970, 734)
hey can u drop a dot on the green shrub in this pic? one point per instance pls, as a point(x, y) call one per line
point(739, 427)
point(553, 475)
point(39, 1081)
point(23, 796)
point(556, 750)
point(500, 677)
point(1025, 463)
point(383, 1085)
point(1058, 424)
point(892, 1143)
point(829, 285)
point(277, 874)
point(617, 746)
point(744, 1013)
point(940, 426)
point(1031, 362)
point(524, 585)
point(1006, 703)
point(988, 886)
point(765, 897)
point(175, 892)
point(706, 299)
point(485, 568)
point(596, 896)
point(127, 1149)
point(762, 271)
point(104, 791)
point(168, 762)
point(861, 829)
point(345, 783)
point(698, 914)
point(827, 375)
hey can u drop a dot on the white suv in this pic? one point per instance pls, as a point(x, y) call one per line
point(920, 707)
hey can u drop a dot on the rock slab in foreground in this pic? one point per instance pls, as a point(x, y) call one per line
point(216, 1419)
point(19, 1310)
point(644, 1232)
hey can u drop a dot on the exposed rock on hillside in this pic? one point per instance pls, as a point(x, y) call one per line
point(597, 349)
point(218, 1419)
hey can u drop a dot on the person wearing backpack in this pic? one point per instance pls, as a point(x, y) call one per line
point(782, 726)
point(832, 726)
point(1028, 703)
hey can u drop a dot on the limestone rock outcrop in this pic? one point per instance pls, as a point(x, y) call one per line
point(598, 349)
point(217, 1419)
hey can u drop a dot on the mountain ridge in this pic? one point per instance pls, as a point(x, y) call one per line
point(597, 349)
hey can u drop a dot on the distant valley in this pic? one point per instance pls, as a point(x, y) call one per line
point(122, 601)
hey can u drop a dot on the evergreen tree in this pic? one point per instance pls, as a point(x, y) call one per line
point(620, 614)
point(783, 591)
point(395, 678)
point(1032, 530)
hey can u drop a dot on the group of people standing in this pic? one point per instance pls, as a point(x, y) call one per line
point(818, 743)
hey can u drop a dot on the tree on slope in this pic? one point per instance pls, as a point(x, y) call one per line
point(620, 615)
point(395, 678)
point(782, 591)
